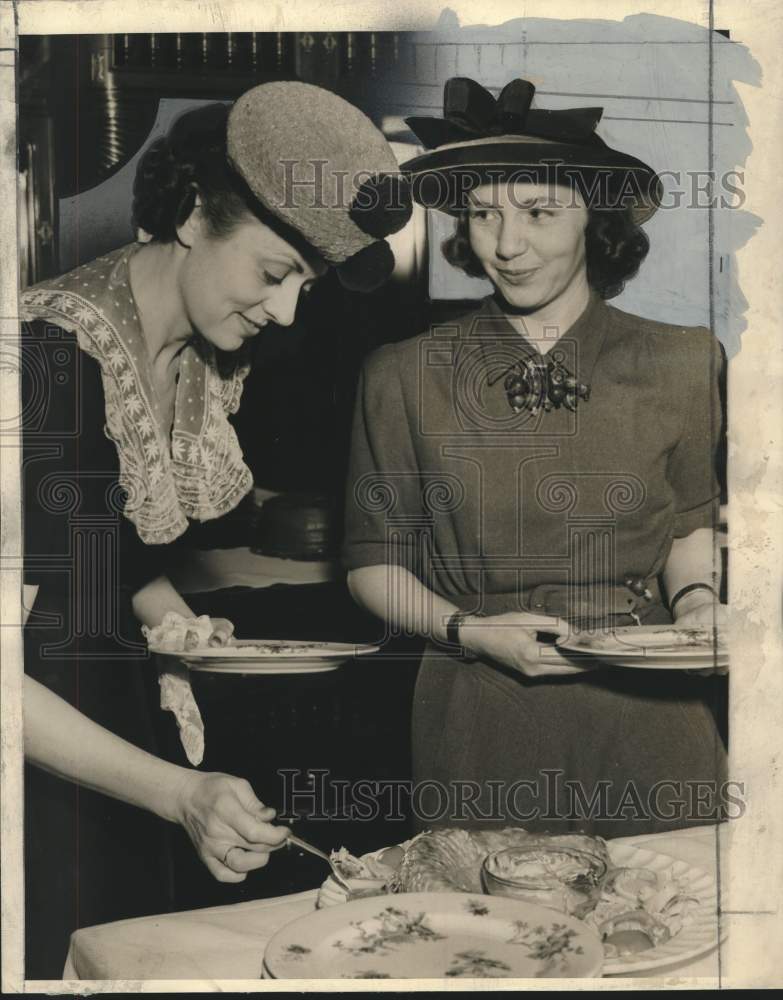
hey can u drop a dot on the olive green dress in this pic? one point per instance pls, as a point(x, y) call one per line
point(500, 511)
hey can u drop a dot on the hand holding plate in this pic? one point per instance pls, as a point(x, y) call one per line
point(513, 640)
point(222, 632)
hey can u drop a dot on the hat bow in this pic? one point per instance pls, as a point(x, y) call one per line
point(471, 112)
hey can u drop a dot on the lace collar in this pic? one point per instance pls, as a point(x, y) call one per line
point(199, 473)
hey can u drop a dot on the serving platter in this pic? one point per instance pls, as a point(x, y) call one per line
point(434, 935)
point(271, 656)
point(701, 933)
point(651, 647)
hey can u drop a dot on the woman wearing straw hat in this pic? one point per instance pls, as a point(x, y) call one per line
point(128, 434)
point(544, 459)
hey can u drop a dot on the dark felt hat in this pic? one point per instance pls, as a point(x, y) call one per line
point(482, 138)
point(321, 166)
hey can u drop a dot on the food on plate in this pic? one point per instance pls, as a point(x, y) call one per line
point(366, 867)
point(633, 910)
point(640, 909)
point(561, 877)
point(632, 932)
point(441, 861)
point(438, 860)
point(177, 634)
point(660, 639)
point(274, 648)
point(450, 860)
point(392, 856)
point(367, 876)
point(634, 884)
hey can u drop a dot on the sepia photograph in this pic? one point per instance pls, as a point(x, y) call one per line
point(391, 560)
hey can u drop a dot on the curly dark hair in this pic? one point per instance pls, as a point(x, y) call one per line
point(615, 247)
point(192, 160)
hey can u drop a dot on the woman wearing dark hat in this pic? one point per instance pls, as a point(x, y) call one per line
point(128, 445)
point(544, 459)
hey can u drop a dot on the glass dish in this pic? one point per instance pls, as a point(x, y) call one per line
point(563, 878)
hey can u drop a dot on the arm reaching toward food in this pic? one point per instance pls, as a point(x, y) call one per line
point(397, 596)
point(230, 828)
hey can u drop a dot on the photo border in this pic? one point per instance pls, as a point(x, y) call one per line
point(752, 882)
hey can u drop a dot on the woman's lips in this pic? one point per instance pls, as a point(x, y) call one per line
point(252, 328)
point(517, 277)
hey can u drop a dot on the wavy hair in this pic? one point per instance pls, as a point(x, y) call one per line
point(192, 161)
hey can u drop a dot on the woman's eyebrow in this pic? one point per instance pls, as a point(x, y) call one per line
point(539, 201)
point(476, 202)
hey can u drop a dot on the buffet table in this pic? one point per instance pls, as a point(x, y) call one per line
point(227, 943)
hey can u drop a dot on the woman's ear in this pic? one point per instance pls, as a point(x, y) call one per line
point(193, 226)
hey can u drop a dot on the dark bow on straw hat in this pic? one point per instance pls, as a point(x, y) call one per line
point(471, 112)
point(481, 139)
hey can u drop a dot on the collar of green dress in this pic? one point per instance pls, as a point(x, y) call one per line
point(534, 379)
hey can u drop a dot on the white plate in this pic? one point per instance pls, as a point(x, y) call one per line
point(704, 931)
point(434, 935)
point(646, 648)
point(271, 656)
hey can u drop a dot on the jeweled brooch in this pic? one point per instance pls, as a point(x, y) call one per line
point(541, 385)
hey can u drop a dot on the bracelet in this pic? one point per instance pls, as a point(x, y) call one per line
point(687, 590)
point(452, 627)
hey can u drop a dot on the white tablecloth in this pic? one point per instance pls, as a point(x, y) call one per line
point(227, 942)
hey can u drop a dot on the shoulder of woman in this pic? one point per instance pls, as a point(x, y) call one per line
point(398, 359)
point(449, 322)
point(404, 358)
point(673, 337)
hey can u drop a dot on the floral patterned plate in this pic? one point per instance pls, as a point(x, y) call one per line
point(434, 935)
